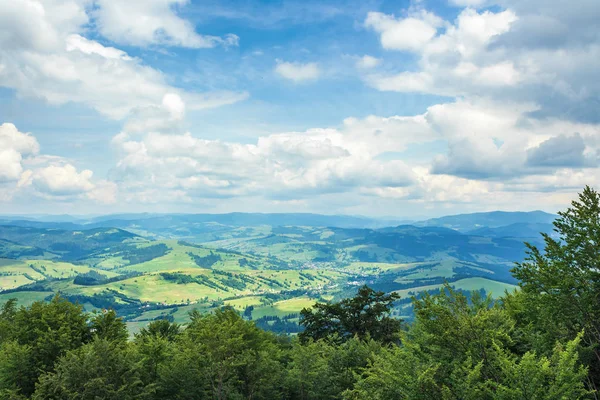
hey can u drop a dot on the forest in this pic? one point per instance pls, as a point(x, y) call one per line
point(538, 342)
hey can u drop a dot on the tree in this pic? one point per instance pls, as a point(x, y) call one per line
point(562, 283)
point(40, 335)
point(397, 373)
point(555, 378)
point(7, 315)
point(161, 328)
point(107, 325)
point(365, 315)
point(461, 349)
point(102, 369)
point(324, 370)
point(222, 356)
point(308, 373)
point(155, 344)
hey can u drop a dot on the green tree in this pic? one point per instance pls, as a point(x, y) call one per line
point(562, 283)
point(540, 378)
point(397, 373)
point(462, 350)
point(464, 337)
point(161, 328)
point(16, 368)
point(221, 356)
point(107, 325)
point(364, 315)
point(307, 372)
point(40, 335)
point(102, 369)
point(7, 315)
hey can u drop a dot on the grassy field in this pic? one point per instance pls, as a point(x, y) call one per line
point(468, 284)
point(284, 307)
point(24, 298)
point(374, 268)
point(16, 273)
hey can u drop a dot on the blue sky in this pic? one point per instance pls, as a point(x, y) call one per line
point(416, 108)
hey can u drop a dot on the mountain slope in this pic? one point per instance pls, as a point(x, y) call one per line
point(518, 230)
point(69, 245)
point(494, 219)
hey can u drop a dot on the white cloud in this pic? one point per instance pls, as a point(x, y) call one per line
point(296, 71)
point(152, 22)
point(24, 169)
point(485, 149)
point(43, 55)
point(79, 43)
point(367, 62)
point(283, 166)
point(174, 105)
point(472, 153)
point(62, 180)
point(500, 141)
point(14, 145)
point(10, 165)
point(455, 62)
point(410, 33)
point(537, 51)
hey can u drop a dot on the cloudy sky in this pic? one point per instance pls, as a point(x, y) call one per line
point(383, 108)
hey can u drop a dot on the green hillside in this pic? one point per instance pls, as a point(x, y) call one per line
point(262, 271)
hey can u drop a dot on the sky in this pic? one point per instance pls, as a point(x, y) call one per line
point(378, 108)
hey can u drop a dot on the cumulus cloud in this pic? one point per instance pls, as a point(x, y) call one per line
point(152, 22)
point(24, 169)
point(484, 148)
point(501, 142)
point(487, 153)
point(451, 62)
point(410, 33)
point(44, 55)
point(14, 146)
point(62, 180)
point(558, 151)
point(533, 51)
point(287, 165)
point(296, 71)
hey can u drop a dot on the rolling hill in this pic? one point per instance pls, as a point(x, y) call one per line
point(148, 266)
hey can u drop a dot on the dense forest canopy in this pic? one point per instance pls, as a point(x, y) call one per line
point(540, 342)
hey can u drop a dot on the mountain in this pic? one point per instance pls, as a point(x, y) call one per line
point(493, 219)
point(147, 266)
point(518, 230)
point(60, 243)
point(30, 223)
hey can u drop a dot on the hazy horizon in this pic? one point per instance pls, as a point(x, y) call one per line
point(77, 217)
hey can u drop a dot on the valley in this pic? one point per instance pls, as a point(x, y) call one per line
point(266, 266)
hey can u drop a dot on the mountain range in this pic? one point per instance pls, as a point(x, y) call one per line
point(150, 265)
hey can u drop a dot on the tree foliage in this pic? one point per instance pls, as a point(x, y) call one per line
point(561, 284)
point(364, 315)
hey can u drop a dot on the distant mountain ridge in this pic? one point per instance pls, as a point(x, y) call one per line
point(519, 230)
point(163, 224)
point(493, 219)
point(209, 227)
